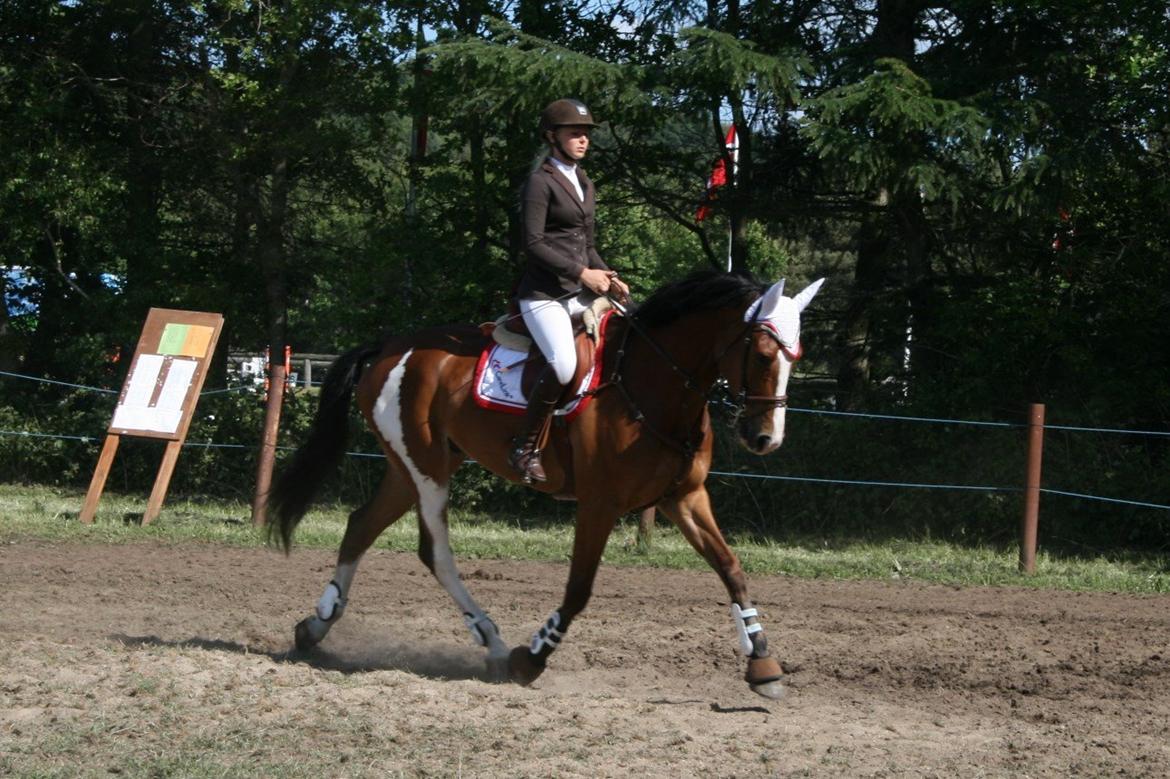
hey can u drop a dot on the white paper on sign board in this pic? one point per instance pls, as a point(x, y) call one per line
point(135, 411)
point(175, 386)
point(143, 380)
point(132, 418)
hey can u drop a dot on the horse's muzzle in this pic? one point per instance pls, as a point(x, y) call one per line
point(758, 441)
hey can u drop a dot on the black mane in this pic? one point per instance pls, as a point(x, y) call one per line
point(703, 290)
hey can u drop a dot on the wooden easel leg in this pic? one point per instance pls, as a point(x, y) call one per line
point(162, 481)
point(98, 482)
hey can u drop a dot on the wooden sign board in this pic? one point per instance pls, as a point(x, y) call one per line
point(159, 395)
point(166, 376)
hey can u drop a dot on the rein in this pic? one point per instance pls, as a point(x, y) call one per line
point(687, 448)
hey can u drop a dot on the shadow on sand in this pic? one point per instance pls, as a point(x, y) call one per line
point(347, 656)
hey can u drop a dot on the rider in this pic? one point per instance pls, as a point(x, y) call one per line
point(557, 209)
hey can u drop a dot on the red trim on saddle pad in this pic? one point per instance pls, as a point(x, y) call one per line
point(494, 354)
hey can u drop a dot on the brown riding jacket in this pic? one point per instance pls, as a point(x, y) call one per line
point(557, 233)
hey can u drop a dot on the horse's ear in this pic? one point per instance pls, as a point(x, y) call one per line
point(765, 304)
point(807, 294)
point(774, 293)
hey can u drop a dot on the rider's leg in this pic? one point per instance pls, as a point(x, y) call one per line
point(552, 329)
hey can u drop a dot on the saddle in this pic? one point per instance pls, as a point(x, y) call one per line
point(512, 351)
point(511, 331)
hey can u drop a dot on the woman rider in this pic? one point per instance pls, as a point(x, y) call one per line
point(563, 272)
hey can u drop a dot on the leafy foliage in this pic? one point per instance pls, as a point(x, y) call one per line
point(985, 183)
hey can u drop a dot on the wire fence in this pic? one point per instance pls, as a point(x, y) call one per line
point(724, 474)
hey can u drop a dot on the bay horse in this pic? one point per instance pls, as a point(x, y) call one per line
point(644, 439)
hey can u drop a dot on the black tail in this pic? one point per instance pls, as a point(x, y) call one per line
point(317, 457)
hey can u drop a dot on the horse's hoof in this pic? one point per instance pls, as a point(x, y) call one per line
point(773, 691)
point(305, 638)
point(765, 677)
point(521, 668)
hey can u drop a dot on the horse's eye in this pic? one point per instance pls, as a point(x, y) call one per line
point(763, 360)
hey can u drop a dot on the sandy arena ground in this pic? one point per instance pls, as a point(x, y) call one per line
point(160, 660)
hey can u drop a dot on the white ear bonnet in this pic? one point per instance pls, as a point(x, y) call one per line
point(781, 315)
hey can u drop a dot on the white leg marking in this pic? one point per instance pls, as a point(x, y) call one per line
point(432, 501)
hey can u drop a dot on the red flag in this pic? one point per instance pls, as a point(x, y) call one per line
point(718, 177)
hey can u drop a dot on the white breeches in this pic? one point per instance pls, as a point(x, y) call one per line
point(550, 323)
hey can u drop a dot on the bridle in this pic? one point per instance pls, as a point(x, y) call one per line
point(736, 405)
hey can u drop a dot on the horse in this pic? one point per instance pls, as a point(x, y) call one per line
point(644, 439)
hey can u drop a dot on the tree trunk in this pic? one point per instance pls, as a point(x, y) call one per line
point(873, 247)
point(481, 225)
point(886, 233)
point(273, 261)
point(273, 256)
point(62, 303)
point(143, 175)
point(9, 343)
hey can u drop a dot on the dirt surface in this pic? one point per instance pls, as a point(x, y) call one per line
point(175, 660)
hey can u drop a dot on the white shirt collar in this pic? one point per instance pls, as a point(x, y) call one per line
point(569, 172)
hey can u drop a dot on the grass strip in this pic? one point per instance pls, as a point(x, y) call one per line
point(46, 513)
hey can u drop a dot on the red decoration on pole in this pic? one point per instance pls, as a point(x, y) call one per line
point(718, 177)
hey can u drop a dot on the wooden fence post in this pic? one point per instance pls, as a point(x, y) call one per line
point(1031, 518)
point(267, 459)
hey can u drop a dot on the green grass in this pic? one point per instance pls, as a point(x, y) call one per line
point(51, 514)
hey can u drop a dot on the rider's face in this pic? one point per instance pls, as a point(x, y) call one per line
point(573, 139)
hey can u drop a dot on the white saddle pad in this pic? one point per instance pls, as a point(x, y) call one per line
point(497, 382)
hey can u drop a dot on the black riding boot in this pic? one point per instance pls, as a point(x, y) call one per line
point(525, 457)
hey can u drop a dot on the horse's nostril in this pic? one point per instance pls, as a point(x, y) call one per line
point(763, 441)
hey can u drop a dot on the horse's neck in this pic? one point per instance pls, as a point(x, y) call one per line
point(692, 343)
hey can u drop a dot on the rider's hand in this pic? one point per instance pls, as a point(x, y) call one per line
point(596, 280)
point(619, 289)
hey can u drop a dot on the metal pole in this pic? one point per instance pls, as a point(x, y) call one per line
point(1031, 518)
point(733, 181)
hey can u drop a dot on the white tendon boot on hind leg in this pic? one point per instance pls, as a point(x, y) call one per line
point(330, 607)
